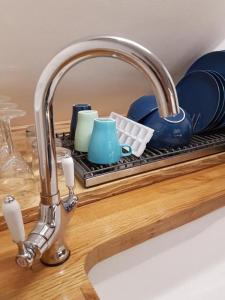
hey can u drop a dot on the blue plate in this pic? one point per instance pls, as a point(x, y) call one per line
point(141, 108)
point(221, 121)
point(199, 95)
point(213, 61)
point(221, 111)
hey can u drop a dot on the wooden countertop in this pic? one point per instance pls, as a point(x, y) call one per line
point(103, 228)
point(30, 198)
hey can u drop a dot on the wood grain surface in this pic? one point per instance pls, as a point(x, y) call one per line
point(103, 228)
point(29, 197)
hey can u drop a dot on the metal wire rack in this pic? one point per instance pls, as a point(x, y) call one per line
point(91, 174)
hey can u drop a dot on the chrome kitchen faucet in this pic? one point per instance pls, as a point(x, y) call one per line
point(46, 240)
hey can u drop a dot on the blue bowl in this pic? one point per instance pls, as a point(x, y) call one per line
point(170, 132)
point(141, 108)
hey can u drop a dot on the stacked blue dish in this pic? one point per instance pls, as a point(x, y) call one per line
point(201, 95)
point(201, 92)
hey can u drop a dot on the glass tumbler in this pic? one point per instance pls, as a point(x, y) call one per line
point(15, 174)
point(61, 153)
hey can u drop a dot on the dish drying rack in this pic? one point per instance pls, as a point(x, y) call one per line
point(91, 174)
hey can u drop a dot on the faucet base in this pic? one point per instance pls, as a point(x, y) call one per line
point(56, 255)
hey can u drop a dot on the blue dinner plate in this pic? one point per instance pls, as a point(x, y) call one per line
point(221, 122)
point(199, 95)
point(214, 61)
point(221, 111)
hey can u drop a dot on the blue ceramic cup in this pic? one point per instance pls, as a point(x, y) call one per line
point(73, 124)
point(104, 146)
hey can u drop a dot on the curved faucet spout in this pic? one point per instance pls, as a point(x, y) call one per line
point(105, 46)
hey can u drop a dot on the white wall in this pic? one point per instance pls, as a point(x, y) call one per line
point(31, 32)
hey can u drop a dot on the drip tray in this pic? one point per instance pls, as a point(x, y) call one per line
point(91, 174)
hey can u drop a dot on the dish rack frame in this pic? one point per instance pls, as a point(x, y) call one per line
point(91, 174)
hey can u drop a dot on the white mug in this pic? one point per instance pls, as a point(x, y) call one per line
point(84, 129)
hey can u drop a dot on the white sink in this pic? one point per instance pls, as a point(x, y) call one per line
point(185, 263)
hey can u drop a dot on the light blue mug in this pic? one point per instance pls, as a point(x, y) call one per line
point(104, 146)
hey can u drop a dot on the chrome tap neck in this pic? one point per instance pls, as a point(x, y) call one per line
point(105, 46)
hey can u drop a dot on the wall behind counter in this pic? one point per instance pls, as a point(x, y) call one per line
point(32, 32)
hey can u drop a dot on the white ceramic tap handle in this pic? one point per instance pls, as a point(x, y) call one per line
point(13, 217)
point(68, 170)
